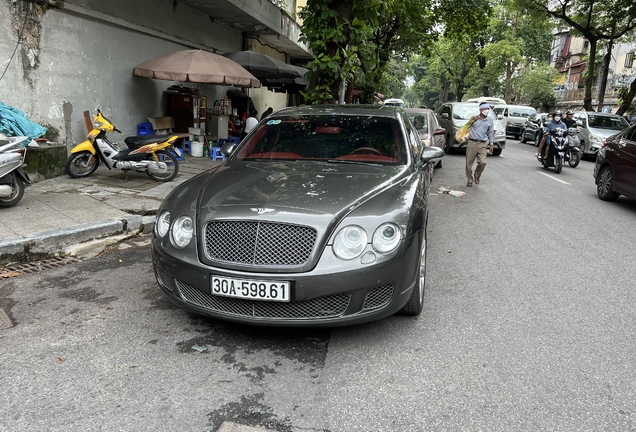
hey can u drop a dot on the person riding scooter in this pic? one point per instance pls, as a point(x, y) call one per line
point(549, 127)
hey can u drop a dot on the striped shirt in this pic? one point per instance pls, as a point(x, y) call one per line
point(482, 130)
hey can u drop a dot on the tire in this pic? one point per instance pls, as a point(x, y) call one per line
point(17, 192)
point(537, 140)
point(414, 306)
point(517, 137)
point(558, 164)
point(438, 164)
point(583, 150)
point(170, 160)
point(604, 185)
point(81, 164)
point(496, 152)
point(575, 158)
point(449, 149)
point(522, 139)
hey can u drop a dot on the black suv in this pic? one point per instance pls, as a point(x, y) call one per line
point(533, 129)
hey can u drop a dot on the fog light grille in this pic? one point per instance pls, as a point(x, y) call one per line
point(163, 279)
point(378, 297)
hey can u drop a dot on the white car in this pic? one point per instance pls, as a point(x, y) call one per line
point(394, 102)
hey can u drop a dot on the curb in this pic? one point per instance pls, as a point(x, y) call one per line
point(59, 240)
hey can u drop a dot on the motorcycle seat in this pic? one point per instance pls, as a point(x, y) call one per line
point(134, 142)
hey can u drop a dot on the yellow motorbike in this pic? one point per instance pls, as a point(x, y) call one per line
point(152, 154)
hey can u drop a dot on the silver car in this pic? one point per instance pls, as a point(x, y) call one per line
point(317, 218)
point(595, 127)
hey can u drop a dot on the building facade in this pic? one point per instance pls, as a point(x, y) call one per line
point(60, 58)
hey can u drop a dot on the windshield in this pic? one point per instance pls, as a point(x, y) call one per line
point(521, 112)
point(420, 121)
point(608, 122)
point(466, 112)
point(326, 137)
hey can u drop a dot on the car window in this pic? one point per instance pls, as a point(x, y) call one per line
point(465, 112)
point(326, 137)
point(630, 134)
point(532, 117)
point(420, 121)
point(521, 112)
point(607, 122)
point(498, 111)
point(414, 139)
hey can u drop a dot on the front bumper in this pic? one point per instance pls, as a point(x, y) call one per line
point(319, 298)
point(513, 129)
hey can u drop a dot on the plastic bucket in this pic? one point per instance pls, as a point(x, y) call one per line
point(196, 149)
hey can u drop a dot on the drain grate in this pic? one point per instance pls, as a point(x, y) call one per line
point(36, 266)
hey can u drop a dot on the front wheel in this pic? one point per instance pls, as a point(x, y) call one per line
point(17, 191)
point(604, 185)
point(416, 302)
point(523, 136)
point(496, 152)
point(160, 174)
point(81, 164)
point(558, 164)
point(449, 149)
point(537, 139)
point(575, 158)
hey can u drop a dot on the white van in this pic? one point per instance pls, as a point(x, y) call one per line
point(394, 102)
point(513, 117)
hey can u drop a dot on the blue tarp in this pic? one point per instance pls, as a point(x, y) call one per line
point(13, 122)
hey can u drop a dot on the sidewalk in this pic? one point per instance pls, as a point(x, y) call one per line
point(82, 216)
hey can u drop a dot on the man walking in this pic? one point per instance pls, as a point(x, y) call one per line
point(481, 136)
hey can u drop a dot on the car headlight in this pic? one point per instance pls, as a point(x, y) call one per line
point(595, 139)
point(386, 238)
point(182, 231)
point(350, 242)
point(162, 225)
point(500, 132)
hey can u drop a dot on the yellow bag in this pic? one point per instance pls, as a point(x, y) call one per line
point(462, 134)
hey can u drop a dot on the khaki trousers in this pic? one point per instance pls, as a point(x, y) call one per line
point(475, 150)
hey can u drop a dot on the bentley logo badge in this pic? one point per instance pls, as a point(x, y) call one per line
point(261, 210)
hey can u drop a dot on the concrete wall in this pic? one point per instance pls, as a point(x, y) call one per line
point(80, 56)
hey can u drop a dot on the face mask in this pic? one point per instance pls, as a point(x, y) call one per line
point(557, 119)
point(485, 113)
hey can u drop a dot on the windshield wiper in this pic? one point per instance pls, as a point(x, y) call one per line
point(352, 162)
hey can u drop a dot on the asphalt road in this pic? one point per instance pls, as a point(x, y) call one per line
point(528, 326)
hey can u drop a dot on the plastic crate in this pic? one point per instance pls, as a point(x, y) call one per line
point(145, 129)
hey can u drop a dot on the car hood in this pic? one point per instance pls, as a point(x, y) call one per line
point(297, 192)
point(604, 133)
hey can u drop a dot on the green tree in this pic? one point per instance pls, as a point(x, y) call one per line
point(595, 20)
point(536, 85)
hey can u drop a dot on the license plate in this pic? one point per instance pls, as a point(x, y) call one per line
point(250, 289)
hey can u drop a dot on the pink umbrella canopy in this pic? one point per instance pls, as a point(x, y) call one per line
point(196, 66)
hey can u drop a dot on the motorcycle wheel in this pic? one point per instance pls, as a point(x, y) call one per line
point(575, 158)
point(168, 159)
point(558, 164)
point(537, 139)
point(81, 164)
point(17, 191)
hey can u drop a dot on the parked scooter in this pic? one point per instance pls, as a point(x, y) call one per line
point(573, 152)
point(559, 144)
point(12, 174)
point(152, 154)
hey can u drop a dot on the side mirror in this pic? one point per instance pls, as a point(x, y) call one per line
point(579, 123)
point(440, 131)
point(445, 116)
point(430, 154)
point(500, 116)
point(228, 148)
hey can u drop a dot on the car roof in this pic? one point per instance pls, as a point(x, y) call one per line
point(598, 113)
point(340, 110)
point(418, 110)
point(514, 106)
point(394, 100)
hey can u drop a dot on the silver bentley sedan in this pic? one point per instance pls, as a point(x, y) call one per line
point(317, 218)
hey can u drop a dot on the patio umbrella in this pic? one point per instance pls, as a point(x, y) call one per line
point(263, 66)
point(291, 85)
point(196, 66)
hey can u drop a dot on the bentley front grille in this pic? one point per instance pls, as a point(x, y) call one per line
point(330, 306)
point(259, 243)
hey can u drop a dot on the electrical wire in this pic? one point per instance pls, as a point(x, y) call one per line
point(20, 34)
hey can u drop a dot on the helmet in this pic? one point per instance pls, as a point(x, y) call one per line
point(558, 113)
point(569, 112)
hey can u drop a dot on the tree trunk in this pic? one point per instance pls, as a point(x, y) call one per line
point(604, 72)
point(628, 100)
point(587, 99)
